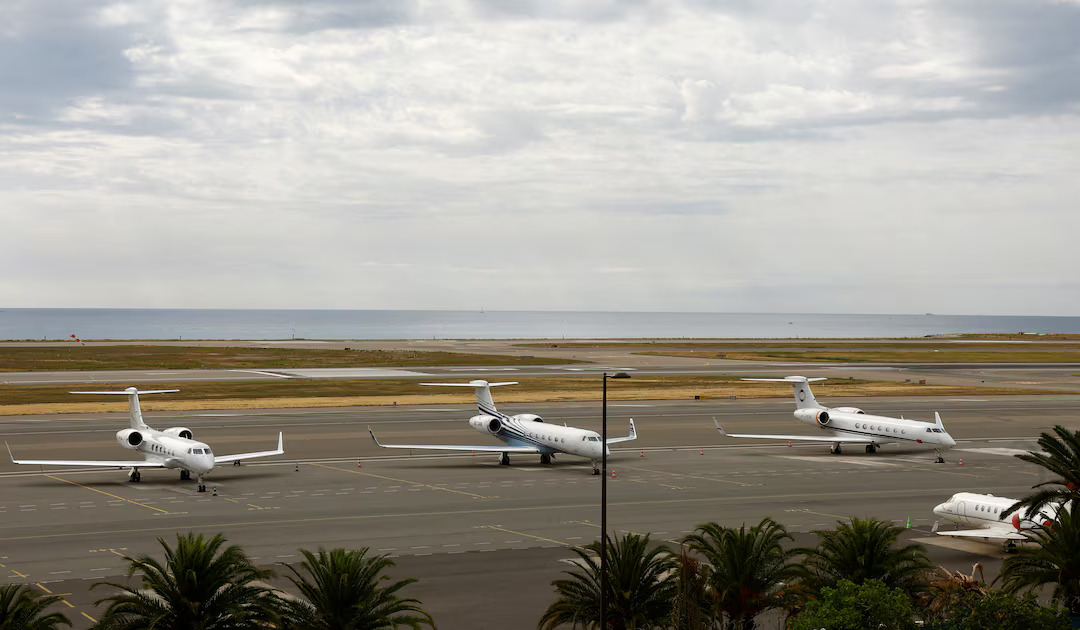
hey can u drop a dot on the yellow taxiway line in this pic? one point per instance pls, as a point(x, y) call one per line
point(109, 494)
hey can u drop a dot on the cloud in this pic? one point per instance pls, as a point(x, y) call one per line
point(693, 155)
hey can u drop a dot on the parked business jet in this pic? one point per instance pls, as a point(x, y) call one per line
point(171, 448)
point(982, 513)
point(522, 433)
point(851, 425)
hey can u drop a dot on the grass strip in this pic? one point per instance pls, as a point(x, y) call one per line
point(884, 357)
point(346, 393)
point(150, 357)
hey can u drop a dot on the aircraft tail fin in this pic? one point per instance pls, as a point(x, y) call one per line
point(134, 410)
point(804, 398)
point(484, 402)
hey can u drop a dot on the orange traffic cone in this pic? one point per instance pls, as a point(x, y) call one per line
point(702, 452)
point(642, 454)
point(789, 444)
point(612, 474)
point(358, 464)
point(961, 461)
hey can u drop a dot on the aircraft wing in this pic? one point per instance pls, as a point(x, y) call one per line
point(1000, 534)
point(452, 447)
point(803, 438)
point(632, 436)
point(86, 463)
point(225, 459)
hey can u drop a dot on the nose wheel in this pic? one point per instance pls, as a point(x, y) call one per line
point(202, 486)
point(939, 459)
point(595, 468)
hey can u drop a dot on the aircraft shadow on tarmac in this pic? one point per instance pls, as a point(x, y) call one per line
point(150, 480)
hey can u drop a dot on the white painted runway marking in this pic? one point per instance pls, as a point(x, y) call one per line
point(834, 460)
point(263, 373)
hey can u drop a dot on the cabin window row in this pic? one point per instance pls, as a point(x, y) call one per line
point(880, 428)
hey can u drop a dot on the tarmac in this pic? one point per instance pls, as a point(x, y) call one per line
point(467, 527)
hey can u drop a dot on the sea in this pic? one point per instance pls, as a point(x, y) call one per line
point(179, 324)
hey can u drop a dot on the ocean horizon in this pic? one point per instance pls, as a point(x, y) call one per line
point(45, 324)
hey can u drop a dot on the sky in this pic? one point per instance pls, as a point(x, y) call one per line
point(816, 156)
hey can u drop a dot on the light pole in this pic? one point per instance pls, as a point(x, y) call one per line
point(603, 504)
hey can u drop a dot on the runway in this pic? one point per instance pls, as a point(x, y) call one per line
point(463, 524)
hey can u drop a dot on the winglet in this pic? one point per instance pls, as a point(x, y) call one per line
point(633, 429)
point(281, 442)
point(373, 438)
point(719, 428)
point(9, 451)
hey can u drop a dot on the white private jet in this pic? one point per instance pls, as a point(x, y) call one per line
point(851, 425)
point(171, 448)
point(522, 433)
point(982, 513)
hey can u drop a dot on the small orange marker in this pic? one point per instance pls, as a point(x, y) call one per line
point(702, 452)
point(961, 461)
point(642, 454)
point(612, 474)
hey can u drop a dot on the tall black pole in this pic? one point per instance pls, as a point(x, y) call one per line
point(603, 514)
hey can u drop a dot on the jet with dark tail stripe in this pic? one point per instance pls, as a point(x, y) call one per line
point(521, 433)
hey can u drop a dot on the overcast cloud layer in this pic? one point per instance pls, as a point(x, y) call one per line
point(698, 155)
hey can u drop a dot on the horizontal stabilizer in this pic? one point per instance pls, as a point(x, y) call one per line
point(470, 384)
point(132, 391)
point(786, 379)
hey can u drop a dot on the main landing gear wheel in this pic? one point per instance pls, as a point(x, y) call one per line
point(505, 459)
point(185, 475)
point(871, 448)
point(135, 476)
point(835, 450)
point(545, 458)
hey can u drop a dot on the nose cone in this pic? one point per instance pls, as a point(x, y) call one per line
point(947, 440)
point(941, 509)
point(204, 464)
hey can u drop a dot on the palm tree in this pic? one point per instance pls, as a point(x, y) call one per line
point(690, 607)
point(864, 549)
point(745, 569)
point(1056, 561)
point(1061, 456)
point(343, 590)
point(639, 587)
point(23, 608)
point(200, 586)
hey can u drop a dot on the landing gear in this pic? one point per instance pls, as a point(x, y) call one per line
point(505, 459)
point(185, 475)
point(595, 469)
point(202, 486)
point(871, 448)
point(835, 450)
point(545, 458)
point(236, 463)
point(1010, 547)
point(940, 459)
point(134, 476)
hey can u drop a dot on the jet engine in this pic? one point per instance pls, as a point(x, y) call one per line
point(819, 416)
point(487, 424)
point(180, 432)
point(528, 417)
point(848, 410)
point(129, 438)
